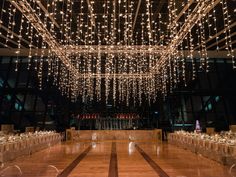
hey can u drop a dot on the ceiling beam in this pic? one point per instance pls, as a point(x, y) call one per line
point(23, 52)
point(10, 40)
point(201, 8)
point(35, 53)
point(3, 45)
point(223, 47)
point(16, 35)
point(219, 41)
point(47, 13)
point(25, 8)
point(216, 35)
point(116, 49)
point(136, 15)
point(184, 9)
point(115, 75)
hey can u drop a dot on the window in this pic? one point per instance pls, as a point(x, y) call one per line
point(18, 107)
point(217, 98)
point(209, 106)
point(1, 82)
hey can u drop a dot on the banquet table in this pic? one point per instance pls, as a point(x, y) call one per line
point(221, 152)
point(20, 146)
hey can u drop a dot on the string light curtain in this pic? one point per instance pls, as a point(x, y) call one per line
point(119, 47)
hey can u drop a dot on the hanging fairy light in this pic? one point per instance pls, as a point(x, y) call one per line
point(2, 12)
point(19, 42)
point(227, 31)
point(87, 49)
point(11, 11)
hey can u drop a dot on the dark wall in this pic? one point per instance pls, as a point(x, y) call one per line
point(210, 98)
point(23, 104)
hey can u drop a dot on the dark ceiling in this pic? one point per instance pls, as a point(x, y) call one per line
point(77, 22)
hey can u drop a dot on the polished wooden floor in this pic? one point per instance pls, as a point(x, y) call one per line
point(113, 159)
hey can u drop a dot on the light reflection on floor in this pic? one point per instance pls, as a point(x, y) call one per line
point(175, 161)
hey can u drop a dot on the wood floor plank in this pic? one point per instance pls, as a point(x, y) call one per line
point(96, 163)
point(176, 162)
point(152, 163)
point(131, 163)
point(113, 168)
point(73, 164)
point(46, 163)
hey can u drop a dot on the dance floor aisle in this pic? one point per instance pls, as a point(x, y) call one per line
point(113, 159)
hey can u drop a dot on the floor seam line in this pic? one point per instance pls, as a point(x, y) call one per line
point(113, 167)
point(74, 163)
point(151, 162)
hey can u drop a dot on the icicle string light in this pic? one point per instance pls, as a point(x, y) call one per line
point(87, 51)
